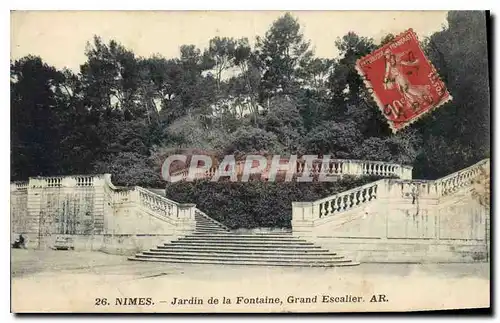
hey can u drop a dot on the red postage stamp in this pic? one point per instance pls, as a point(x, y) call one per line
point(402, 81)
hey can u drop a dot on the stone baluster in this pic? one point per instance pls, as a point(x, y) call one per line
point(335, 206)
point(300, 167)
point(330, 207)
point(322, 210)
point(356, 197)
point(350, 201)
point(342, 204)
point(315, 168)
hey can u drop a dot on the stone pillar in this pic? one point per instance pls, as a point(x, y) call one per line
point(98, 210)
point(68, 181)
point(406, 172)
point(356, 168)
point(388, 194)
point(34, 205)
point(18, 208)
point(185, 223)
point(303, 216)
point(185, 212)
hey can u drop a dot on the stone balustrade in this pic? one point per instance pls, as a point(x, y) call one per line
point(395, 190)
point(336, 204)
point(156, 203)
point(453, 182)
point(121, 196)
point(67, 181)
point(347, 200)
point(159, 205)
point(334, 167)
point(19, 186)
point(400, 220)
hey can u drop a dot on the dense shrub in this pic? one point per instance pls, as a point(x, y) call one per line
point(256, 203)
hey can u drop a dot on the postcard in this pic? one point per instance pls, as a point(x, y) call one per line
point(249, 161)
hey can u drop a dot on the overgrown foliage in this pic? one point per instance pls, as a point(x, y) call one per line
point(255, 204)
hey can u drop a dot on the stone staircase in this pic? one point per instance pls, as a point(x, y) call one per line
point(212, 243)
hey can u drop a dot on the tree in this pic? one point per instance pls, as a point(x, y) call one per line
point(245, 87)
point(39, 107)
point(400, 148)
point(458, 134)
point(111, 77)
point(130, 169)
point(283, 54)
point(188, 132)
point(317, 72)
point(332, 138)
point(284, 120)
point(197, 93)
point(253, 141)
point(220, 54)
point(347, 87)
point(386, 39)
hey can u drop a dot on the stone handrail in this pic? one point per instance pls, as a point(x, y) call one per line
point(169, 209)
point(332, 167)
point(356, 168)
point(347, 200)
point(19, 186)
point(65, 181)
point(389, 189)
point(206, 174)
point(449, 184)
point(439, 188)
point(145, 199)
point(157, 204)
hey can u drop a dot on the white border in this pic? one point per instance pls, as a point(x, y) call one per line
point(252, 5)
point(198, 5)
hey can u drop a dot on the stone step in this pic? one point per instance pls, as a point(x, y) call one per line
point(243, 239)
point(247, 244)
point(207, 225)
point(230, 235)
point(244, 253)
point(200, 229)
point(209, 231)
point(223, 259)
point(205, 220)
point(243, 235)
point(240, 246)
point(249, 262)
point(238, 249)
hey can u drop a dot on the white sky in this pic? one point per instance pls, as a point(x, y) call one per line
point(59, 37)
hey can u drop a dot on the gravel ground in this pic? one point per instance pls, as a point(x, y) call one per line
point(54, 281)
